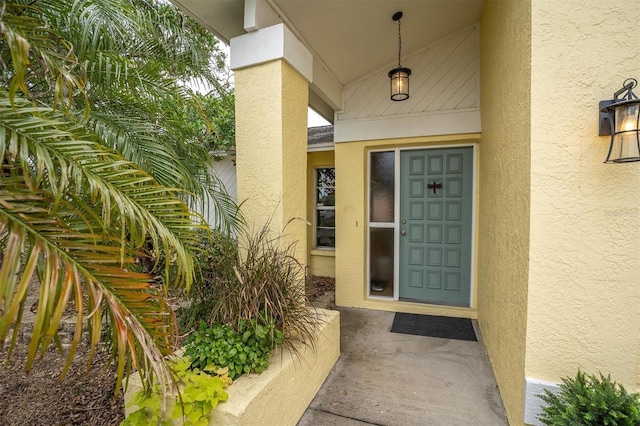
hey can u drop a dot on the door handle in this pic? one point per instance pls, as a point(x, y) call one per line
point(403, 232)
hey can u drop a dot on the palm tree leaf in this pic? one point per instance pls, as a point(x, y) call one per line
point(63, 269)
point(40, 58)
point(128, 195)
point(76, 211)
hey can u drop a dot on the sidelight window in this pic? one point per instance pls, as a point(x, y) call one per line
point(381, 223)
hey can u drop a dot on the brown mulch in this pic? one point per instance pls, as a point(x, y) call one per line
point(41, 398)
point(317, 286)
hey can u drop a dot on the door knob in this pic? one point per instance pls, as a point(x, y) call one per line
point(403, 232)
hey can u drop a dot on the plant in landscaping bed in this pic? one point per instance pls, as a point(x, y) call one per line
point(261, 280)
point(200, 392)
point(266, 284)
point(246, 350)
point(589, 400)
point(217, 254)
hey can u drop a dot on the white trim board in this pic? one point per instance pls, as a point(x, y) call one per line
point(532, 403)
point(268, 44)
point(412, 125)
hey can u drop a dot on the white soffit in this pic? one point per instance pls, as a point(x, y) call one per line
point(348, 39)
point(224, 18)
point(355, 37)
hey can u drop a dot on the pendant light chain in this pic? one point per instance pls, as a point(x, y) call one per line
point(399, 43)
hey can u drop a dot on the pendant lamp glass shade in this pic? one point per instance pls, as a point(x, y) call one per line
point(399, 76)
point(624, 118)
point(399, 83)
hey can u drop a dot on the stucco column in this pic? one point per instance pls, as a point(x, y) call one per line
point(272, 71)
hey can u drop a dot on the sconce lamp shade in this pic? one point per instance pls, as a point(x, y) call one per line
point(623, 115)
point(399, 83)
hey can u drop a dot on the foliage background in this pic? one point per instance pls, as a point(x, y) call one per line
point(104, 155)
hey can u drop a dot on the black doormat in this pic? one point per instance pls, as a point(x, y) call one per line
point(434, 326)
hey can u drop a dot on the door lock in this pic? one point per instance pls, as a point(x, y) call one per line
point(403, 221)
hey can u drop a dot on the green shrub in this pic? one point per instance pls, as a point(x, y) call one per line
point(200, 393)
point(589, 400)
point(215, 260)
point(246, 350)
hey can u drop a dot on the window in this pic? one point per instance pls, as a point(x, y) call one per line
point(381, 223)
point(325, 207)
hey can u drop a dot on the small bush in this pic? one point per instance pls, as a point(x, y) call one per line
point(589, 400)
point(246, 350)
point(215, 260)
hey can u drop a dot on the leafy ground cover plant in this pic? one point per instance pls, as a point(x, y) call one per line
point(201, 390)
point(246, 350)
point(590, 400)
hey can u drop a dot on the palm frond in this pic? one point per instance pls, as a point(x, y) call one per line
point(131, 199)
point(88, 88)
point(41, 63)
point(73, 257)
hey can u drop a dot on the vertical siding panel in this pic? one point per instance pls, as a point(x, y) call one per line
point(225, 170)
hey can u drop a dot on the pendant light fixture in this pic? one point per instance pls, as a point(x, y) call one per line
point(623, 116)
point(399, 76)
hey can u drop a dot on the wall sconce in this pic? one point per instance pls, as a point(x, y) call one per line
point(399, 76)
point(620, 118)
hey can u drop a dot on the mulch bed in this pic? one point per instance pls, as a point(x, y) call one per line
point(317, 286)
point(41, 398)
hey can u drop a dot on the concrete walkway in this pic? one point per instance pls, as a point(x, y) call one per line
point(385, 378)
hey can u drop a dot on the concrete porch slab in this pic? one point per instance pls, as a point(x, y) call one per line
point(385, 378)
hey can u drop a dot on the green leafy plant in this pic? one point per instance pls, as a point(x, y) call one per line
point(200, 392)
point(218, 252)
point(98, 174)
point(246, 350)
point(589, 400)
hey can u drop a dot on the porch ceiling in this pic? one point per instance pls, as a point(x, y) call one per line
point(352, 38)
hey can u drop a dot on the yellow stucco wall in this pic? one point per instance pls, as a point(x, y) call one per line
point(584, 292)
point(321, 262)
point(503, 238)
point(351, 232)
point(271, 147)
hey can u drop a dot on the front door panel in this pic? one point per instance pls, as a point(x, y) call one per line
point(436, 188)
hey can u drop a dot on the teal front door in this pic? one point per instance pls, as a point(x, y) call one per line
point(436, 203)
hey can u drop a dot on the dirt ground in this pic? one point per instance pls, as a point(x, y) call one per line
point(40, 398)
